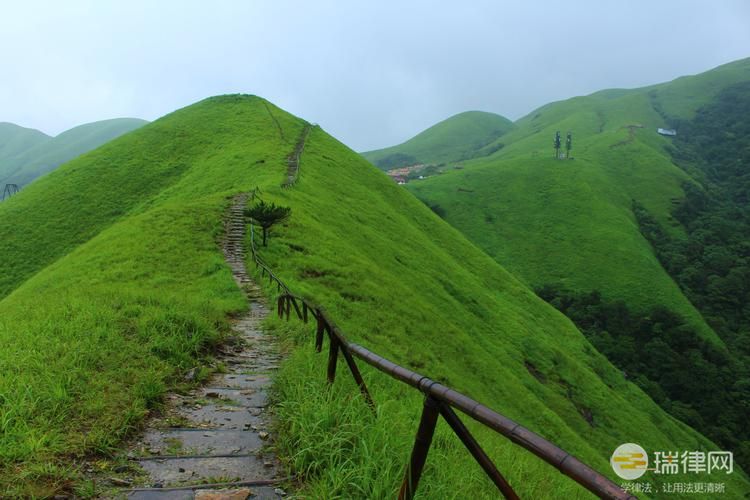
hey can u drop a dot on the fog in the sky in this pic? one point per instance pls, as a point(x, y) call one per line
point(371, 73)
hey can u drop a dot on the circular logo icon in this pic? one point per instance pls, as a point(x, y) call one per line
point(629, 461)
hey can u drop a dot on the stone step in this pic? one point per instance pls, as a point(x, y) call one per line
point(178, 471)
point(200, 442)
point(226, 419)
point(223, 416)
point(247, 398)
point(239, 381)
point(255, 492)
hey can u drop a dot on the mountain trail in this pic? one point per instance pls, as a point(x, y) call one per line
point(294, 157)
point(216, 445)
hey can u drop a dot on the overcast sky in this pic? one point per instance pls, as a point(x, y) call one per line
point(371, 73)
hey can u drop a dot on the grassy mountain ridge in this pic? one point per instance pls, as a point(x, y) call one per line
point(133, 291)
point(460, 137)
point(571, 222)
point(45, 153)
point(577, 225)
point(616, 109)
point(512, 336)
point(14, 140)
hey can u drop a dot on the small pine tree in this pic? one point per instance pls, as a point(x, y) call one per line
point(568, 145)
point(266, 215)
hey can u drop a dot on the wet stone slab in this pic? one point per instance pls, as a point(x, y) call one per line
point(182, 470)
point(224, 417)
point(162, 495)
point(241, 381)
point(256, 492)
point(201, 442)
point(249, 398)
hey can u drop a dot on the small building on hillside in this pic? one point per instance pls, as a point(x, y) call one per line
point(667, 131)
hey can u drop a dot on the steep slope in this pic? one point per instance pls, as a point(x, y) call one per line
point(132, 289)
point(575, 228)
point(14, 140)
point(415, 291)
point(460, 137)
point(44, 156)
point(122, 285)
point(571, 222)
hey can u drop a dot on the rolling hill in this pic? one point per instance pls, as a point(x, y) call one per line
point(461, 137)
point(571, 222)
point(26, 154)
point(576, 227)
point(14, 140)
point(117, 286)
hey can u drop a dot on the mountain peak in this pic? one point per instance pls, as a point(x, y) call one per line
point(457, 138)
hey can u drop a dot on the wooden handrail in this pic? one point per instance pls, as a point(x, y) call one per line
point(439, 399)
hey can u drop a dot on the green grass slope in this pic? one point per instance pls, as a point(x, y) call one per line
point(77, 202)
point(131, 290)
point(47, 155)
point(411, 288)
point(117, 282)
point(571, 223)
point(460, 137)
point(14, 140)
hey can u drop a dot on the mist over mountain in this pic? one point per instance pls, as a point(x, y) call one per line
point(26, 154)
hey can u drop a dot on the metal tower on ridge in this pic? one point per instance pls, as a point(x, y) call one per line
point(10, 190)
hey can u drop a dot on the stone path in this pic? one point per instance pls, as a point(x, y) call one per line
point(294, 157)
point(223, 427)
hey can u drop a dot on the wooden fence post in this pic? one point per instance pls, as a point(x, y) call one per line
point(333, 353)
point(476, 451)
point(421, 447)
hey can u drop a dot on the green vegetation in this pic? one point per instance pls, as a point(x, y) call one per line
point(414, 290)
point(568, 223)
point(266, 215)
point(705, 387)
point(571, 223)
point(117, 286)
point(29, 153)
point(14, 140)
point(712, 263)
point(457, 138)
point(679, 248)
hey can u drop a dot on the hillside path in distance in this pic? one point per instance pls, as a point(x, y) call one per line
point(222, 433)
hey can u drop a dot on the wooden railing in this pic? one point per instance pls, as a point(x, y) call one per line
point(439, 401)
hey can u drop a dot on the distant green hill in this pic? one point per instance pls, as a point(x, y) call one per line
point(115, 286)
point(571, 222)
point(575, 225)
point(33, 154)
point(14, 140)
point(458, 138)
